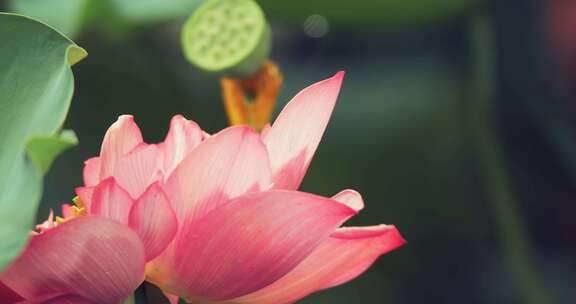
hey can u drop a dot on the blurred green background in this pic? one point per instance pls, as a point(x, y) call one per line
point(456, 122)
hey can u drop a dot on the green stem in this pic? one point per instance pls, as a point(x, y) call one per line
point(500, 194)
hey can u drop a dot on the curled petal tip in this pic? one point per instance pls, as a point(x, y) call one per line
point(179, 118)
point(389, 236)
point(350, 198)
point(342, 257)
point(399, 239)
point(122, 117)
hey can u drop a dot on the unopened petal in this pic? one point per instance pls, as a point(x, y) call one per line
point(339, 259)
point(184, 135)
point(90, 257)
point(294, 136)
point(120, 138)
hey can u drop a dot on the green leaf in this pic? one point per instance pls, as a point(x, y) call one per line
point(42, 149)
point(149, 11)
point(71, 17)
point(36, 85)
point(65, 15)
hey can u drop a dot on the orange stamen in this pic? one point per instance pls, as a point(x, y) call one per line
point(264, 85)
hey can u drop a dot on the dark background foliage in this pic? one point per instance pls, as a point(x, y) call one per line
point(456, 123)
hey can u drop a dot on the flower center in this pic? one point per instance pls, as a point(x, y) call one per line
point(68, 212)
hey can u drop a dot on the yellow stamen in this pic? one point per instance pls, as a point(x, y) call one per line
point(78, 202)
point(77, 209)
point(264, 85)
point(60, 220)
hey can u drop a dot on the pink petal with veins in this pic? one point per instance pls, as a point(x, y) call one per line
point(90, 257)
point(154, 221)
point(111, 201)
point(341, 258)
point(139, 168)
point(248, 243)
point(224, 166)
point(8, 295)
point(296, 133)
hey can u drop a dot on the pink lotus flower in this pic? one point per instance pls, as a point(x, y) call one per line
point(220, 217)
point(86, 260)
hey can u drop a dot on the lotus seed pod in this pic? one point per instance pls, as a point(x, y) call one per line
point(230, 37)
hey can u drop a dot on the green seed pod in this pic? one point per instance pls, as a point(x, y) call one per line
point(230, 37)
